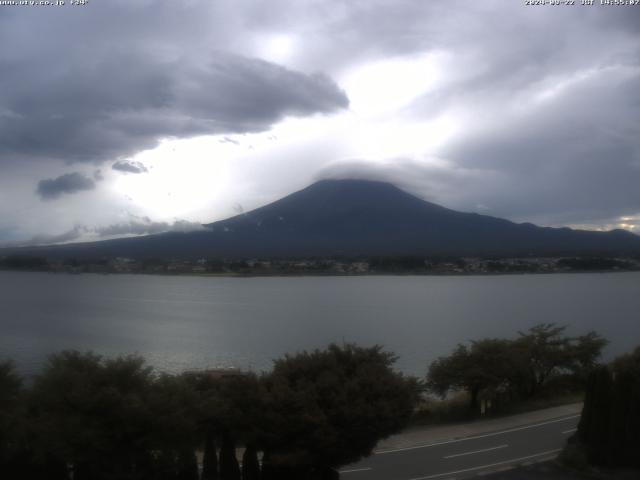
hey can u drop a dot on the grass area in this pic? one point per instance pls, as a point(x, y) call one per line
point(455, 409)
point(433, 411)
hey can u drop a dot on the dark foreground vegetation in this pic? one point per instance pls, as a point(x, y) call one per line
point(609, 430)
point(86, 417)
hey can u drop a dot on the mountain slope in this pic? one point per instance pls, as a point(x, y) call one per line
point(358, 217)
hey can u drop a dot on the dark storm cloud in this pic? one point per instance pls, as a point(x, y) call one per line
point(116, 106)
point(574, 157)
point(115, 79)
point(68, 183)
point(129, 167)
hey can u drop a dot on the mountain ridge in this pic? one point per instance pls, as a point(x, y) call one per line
point(351, 217)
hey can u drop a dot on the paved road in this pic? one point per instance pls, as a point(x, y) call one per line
point(467, 457)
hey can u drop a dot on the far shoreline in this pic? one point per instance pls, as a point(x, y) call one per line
point(323, 275)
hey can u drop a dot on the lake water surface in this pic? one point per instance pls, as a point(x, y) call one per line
point(184, 322)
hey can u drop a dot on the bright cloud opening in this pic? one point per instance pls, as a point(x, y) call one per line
point(387, 85)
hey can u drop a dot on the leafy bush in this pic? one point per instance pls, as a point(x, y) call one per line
point(102, 418)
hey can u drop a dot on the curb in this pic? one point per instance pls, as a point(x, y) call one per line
point(422, 437)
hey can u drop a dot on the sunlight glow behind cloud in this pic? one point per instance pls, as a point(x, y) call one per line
point(387, 85)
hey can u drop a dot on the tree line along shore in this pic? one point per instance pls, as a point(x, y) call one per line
point(414, 265)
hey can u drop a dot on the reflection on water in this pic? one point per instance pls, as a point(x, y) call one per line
point(180, 323)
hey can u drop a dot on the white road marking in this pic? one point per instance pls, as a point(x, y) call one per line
point(516, 429)
point(549, 452)
point(495, 470)
point(476, 451)
point(570, 431)
point(355, 470)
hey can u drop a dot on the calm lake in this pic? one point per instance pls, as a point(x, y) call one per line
point(182, 323)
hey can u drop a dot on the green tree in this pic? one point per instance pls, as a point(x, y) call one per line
point(12, 420)
point(625, 416)
point(187, 464)
point(547, 352)
point(328, 408)
point(10, 392)
point(174, 434)
point(609, 428)
point(585, 352)
point(210, 457)
point(515, 368)
point(487, 365)
point(250, 464)
point(93, 414)
point(595, 421)
point(229, 467)
point(230, 411)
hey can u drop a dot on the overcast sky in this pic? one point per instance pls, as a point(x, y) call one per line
point(132, 117)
